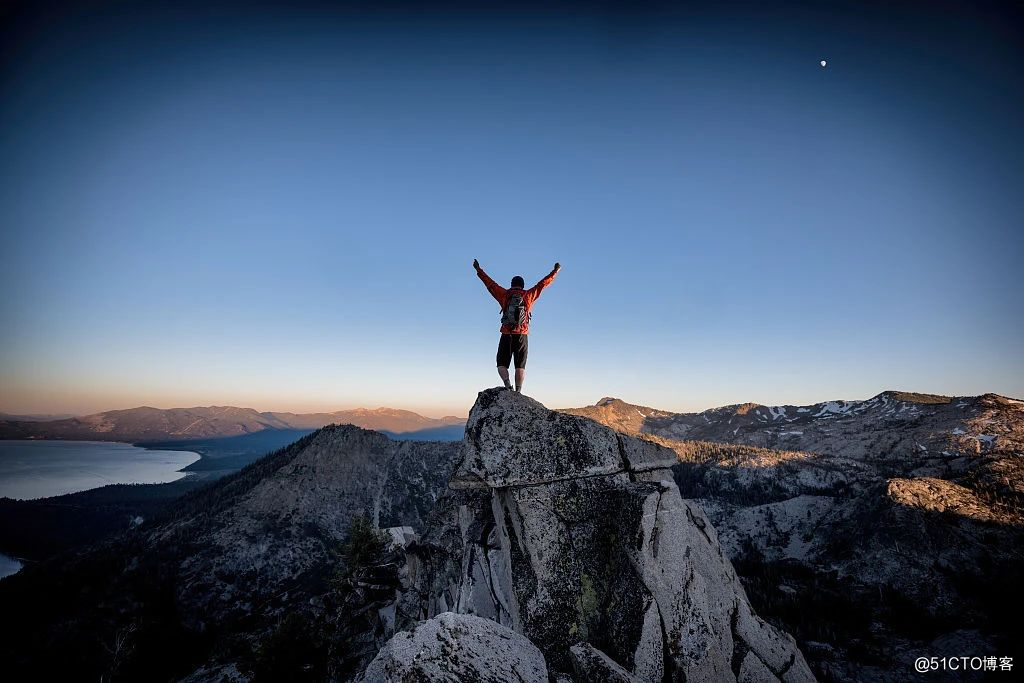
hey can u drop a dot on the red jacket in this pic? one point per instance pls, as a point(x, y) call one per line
point(529, 296)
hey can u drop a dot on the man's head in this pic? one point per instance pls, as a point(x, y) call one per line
point(518, 281)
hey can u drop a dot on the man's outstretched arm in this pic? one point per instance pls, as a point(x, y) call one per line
point(535, 291)
point(496, 290)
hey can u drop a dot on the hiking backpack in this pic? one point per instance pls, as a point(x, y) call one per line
point(514, 314)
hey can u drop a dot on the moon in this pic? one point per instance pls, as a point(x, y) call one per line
point(823, 63)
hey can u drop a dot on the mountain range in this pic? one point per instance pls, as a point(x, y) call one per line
point(874, 530)
point(838, 541)
point(44, 417)
point(919, 429)
point(144, 424)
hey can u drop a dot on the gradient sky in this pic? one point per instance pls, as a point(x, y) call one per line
point(278, 208)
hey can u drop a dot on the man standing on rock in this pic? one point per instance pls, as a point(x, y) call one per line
point(516, 305)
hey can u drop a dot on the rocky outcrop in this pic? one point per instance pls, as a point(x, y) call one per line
point(899, 505)
point(271, 537)
point(577, 537)
point(508, 446)
point(456, 565)
point(458, 648)
point(594, 666)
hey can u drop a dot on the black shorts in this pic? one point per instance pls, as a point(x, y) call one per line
point(512, 344)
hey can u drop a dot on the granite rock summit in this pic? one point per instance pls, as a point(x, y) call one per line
point(576, 536)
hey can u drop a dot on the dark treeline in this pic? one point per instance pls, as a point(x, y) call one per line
point(38, 529)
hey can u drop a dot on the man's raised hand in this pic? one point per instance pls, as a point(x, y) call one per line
point(476, 264)
point(558, 267)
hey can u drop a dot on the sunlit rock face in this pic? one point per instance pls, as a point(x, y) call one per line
point(576, 537)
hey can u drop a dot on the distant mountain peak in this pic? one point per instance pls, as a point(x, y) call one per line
point(914, 397)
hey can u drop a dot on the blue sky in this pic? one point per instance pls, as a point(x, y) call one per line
point(279, 208)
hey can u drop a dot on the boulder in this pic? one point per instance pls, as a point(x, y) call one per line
point(513, 440)
point(594, 666)
point(457, 648)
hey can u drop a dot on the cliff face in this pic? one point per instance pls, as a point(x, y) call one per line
point(899, 525)
point(576, 537)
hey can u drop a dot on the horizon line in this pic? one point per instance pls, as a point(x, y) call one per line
point(69, 415)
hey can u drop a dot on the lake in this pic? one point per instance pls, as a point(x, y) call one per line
point(39, 469)
point(8, 566)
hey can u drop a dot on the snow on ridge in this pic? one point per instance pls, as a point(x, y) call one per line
point(777, 412)
point(834, 408)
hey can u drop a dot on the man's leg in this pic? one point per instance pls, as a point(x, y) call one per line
point(504, 358)
point(520, 354)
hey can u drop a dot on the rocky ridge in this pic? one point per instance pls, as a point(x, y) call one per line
point(282, 529)
point(576, 537)
point(894, 425)
point(899, 519)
